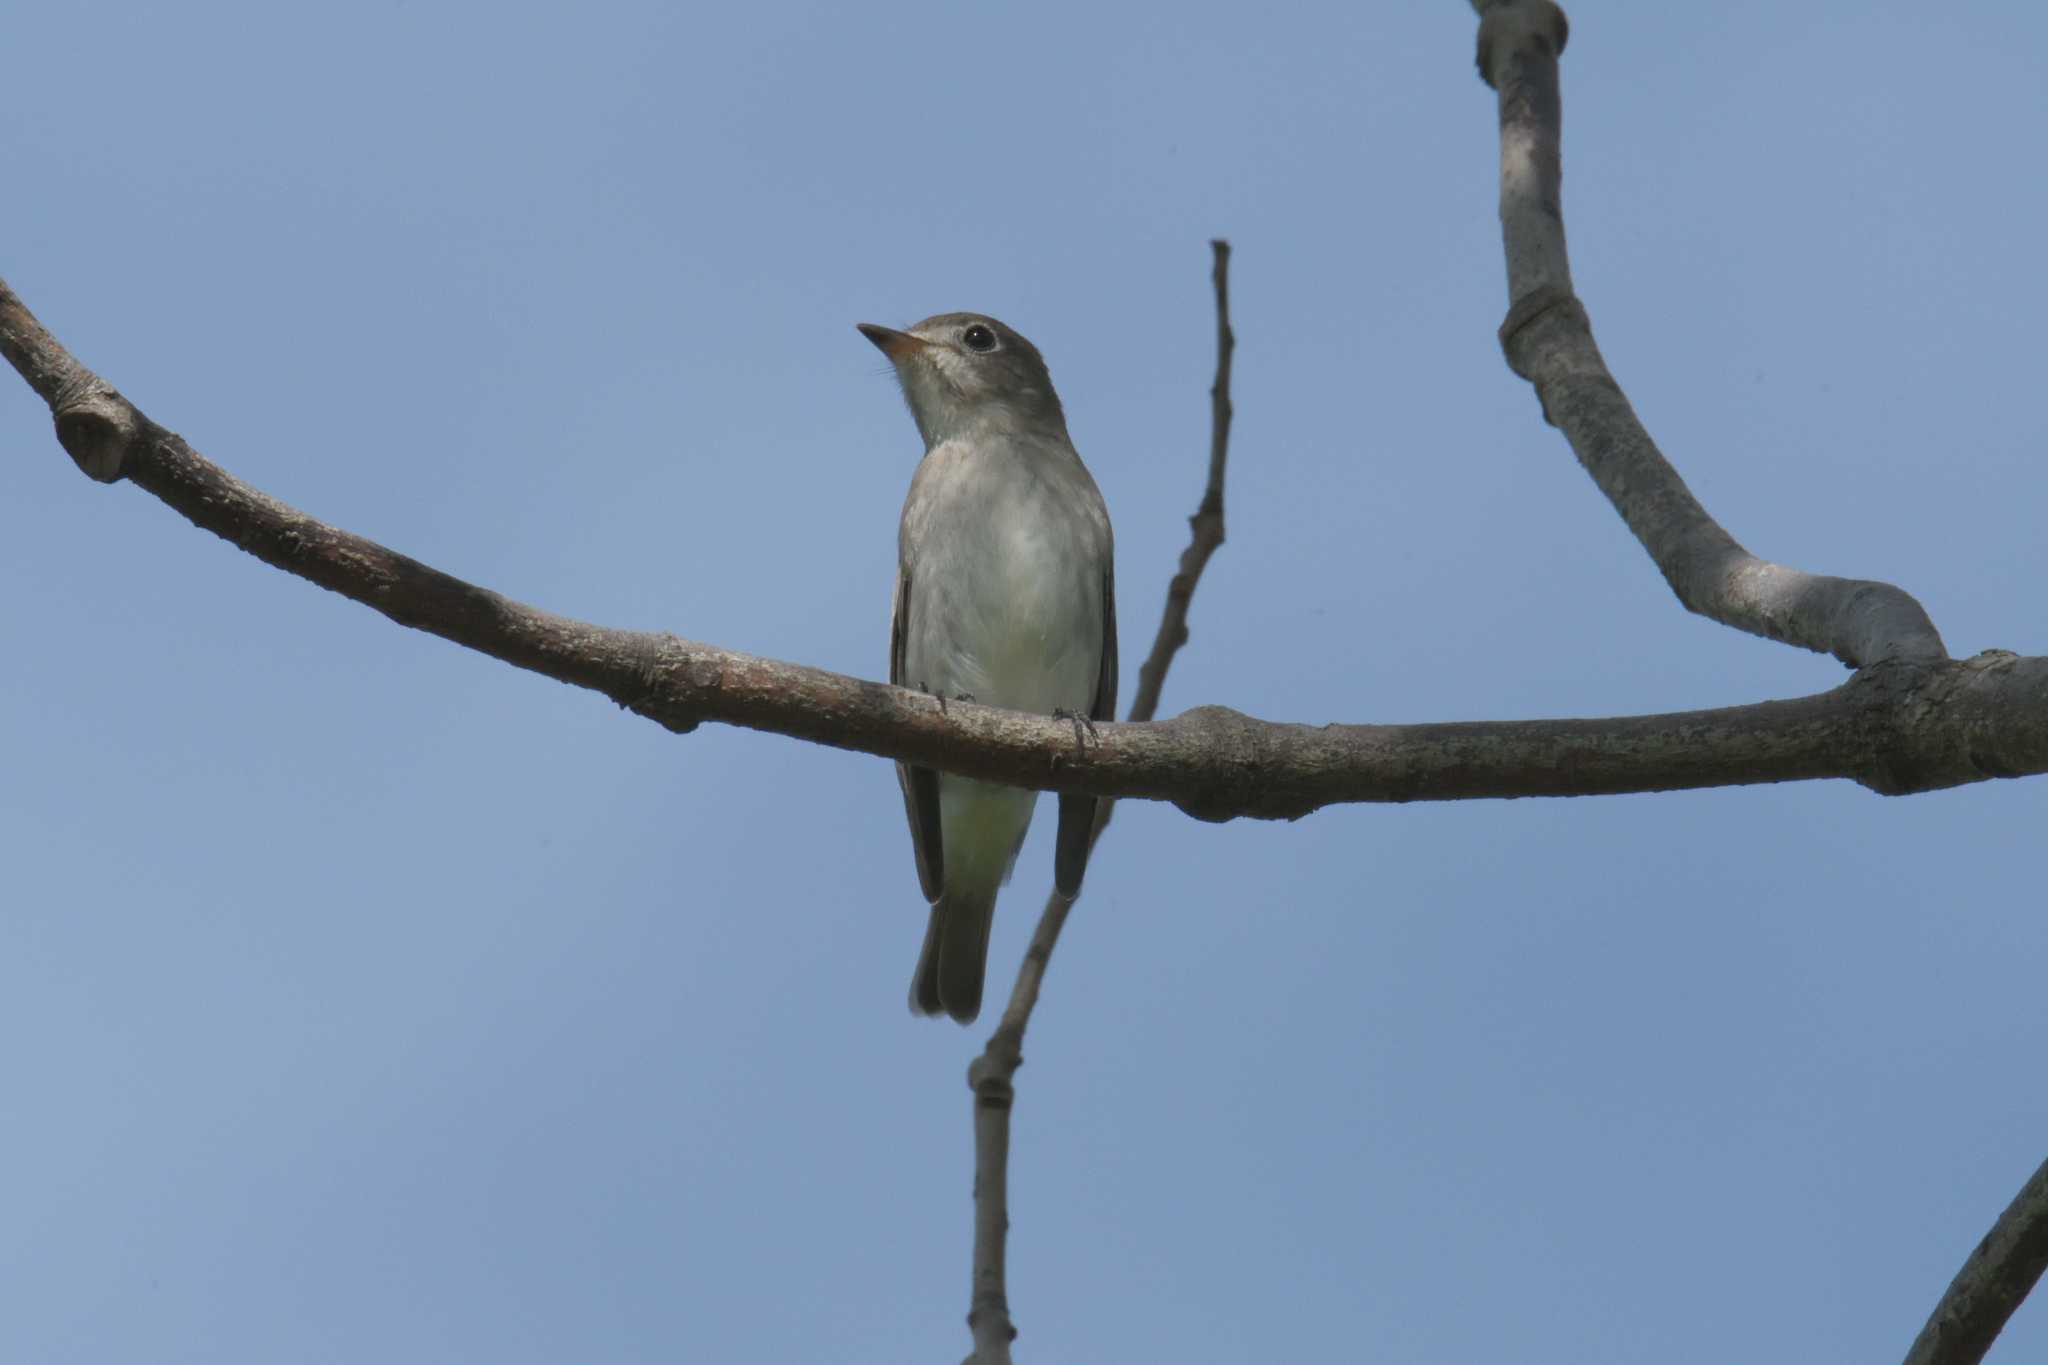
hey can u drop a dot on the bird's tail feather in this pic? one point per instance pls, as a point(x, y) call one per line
point(955, 956)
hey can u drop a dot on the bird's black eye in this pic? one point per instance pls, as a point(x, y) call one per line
point(979, 338)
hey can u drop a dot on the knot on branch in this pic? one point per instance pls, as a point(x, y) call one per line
point(1234, 767)
point(1506, 26)
point(1930, 725)
point(1546, 303)
point(97, 427)
point(1537, 329)
point(989, 1075)
point(654, 666)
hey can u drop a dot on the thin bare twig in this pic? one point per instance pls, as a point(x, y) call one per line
point(1206, 524)
point(992, 1075)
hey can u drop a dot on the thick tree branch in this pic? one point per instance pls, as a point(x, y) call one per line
point(993, 1073)
point(1895, 729)
point(1548, 340)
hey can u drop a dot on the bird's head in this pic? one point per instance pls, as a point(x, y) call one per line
point(960, 371)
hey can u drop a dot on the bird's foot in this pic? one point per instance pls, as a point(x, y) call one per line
point(1080, 723)
point(940, 697)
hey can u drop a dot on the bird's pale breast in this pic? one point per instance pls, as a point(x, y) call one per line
point(1011, 612)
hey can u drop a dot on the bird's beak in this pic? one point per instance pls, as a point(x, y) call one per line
point(892, 343)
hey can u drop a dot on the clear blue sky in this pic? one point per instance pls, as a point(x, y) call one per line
point(365, 999)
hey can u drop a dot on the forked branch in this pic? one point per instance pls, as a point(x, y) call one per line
point(1549, 341)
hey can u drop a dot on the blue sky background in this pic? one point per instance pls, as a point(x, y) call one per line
point(362, 998)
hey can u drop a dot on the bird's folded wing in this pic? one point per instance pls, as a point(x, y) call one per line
point(920, 785)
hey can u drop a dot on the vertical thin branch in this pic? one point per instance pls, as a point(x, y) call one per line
point(991, 1075)
point(1207, 522)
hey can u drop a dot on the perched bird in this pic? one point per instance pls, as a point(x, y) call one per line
point(1005, 595)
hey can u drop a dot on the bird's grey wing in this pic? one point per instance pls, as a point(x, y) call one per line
point(920, 785)
point(1077, 813)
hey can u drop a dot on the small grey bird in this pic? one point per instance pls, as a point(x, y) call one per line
point(1005, 595)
